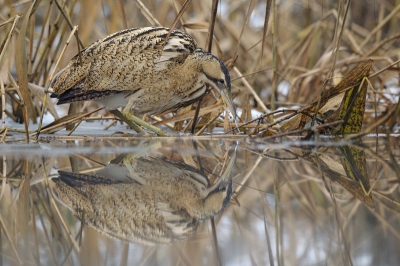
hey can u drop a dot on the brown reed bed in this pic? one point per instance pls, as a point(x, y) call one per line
point(291, 67)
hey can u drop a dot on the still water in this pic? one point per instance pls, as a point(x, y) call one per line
point(199, 201)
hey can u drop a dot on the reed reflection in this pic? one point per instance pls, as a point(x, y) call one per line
point(145, 200)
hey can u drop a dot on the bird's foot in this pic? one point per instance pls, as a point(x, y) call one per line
point(126, 134)
point(137, 121)
point(132, 125)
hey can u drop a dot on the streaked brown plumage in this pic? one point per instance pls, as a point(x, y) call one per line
point(134, 69)
point(145, 200)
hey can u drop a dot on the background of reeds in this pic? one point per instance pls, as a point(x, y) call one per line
point(280, 55)
point(283, 58)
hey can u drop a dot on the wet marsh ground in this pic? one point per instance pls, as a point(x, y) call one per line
point(307, 175)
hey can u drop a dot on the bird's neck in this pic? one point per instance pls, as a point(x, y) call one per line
point(187, 76)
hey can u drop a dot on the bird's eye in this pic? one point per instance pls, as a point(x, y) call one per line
point(221, 81)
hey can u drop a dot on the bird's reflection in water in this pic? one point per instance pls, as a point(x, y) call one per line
point(145, 200)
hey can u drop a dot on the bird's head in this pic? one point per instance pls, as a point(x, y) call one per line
point(215, 74)
point(217, 196)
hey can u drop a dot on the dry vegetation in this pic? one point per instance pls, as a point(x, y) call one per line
point(279, 58)
point(301, 68)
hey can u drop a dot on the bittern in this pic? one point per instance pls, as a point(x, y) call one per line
point(155, 201)
point(140, 70)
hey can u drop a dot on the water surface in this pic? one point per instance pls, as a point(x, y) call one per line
point(147, 201)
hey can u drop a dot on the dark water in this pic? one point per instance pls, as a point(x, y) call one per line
point(203, 201)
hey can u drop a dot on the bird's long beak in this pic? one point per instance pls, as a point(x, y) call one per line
point(227, 98)
point(226, 173)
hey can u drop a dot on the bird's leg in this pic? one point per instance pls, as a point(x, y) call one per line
point(128, 114)
point(128, 163)
point(132, 125)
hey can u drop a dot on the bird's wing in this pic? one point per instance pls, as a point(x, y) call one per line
point(73, 187)
point(132, 36)
point(79, 180)
point(175, 51)
point(124, 60)
point(129, 62)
